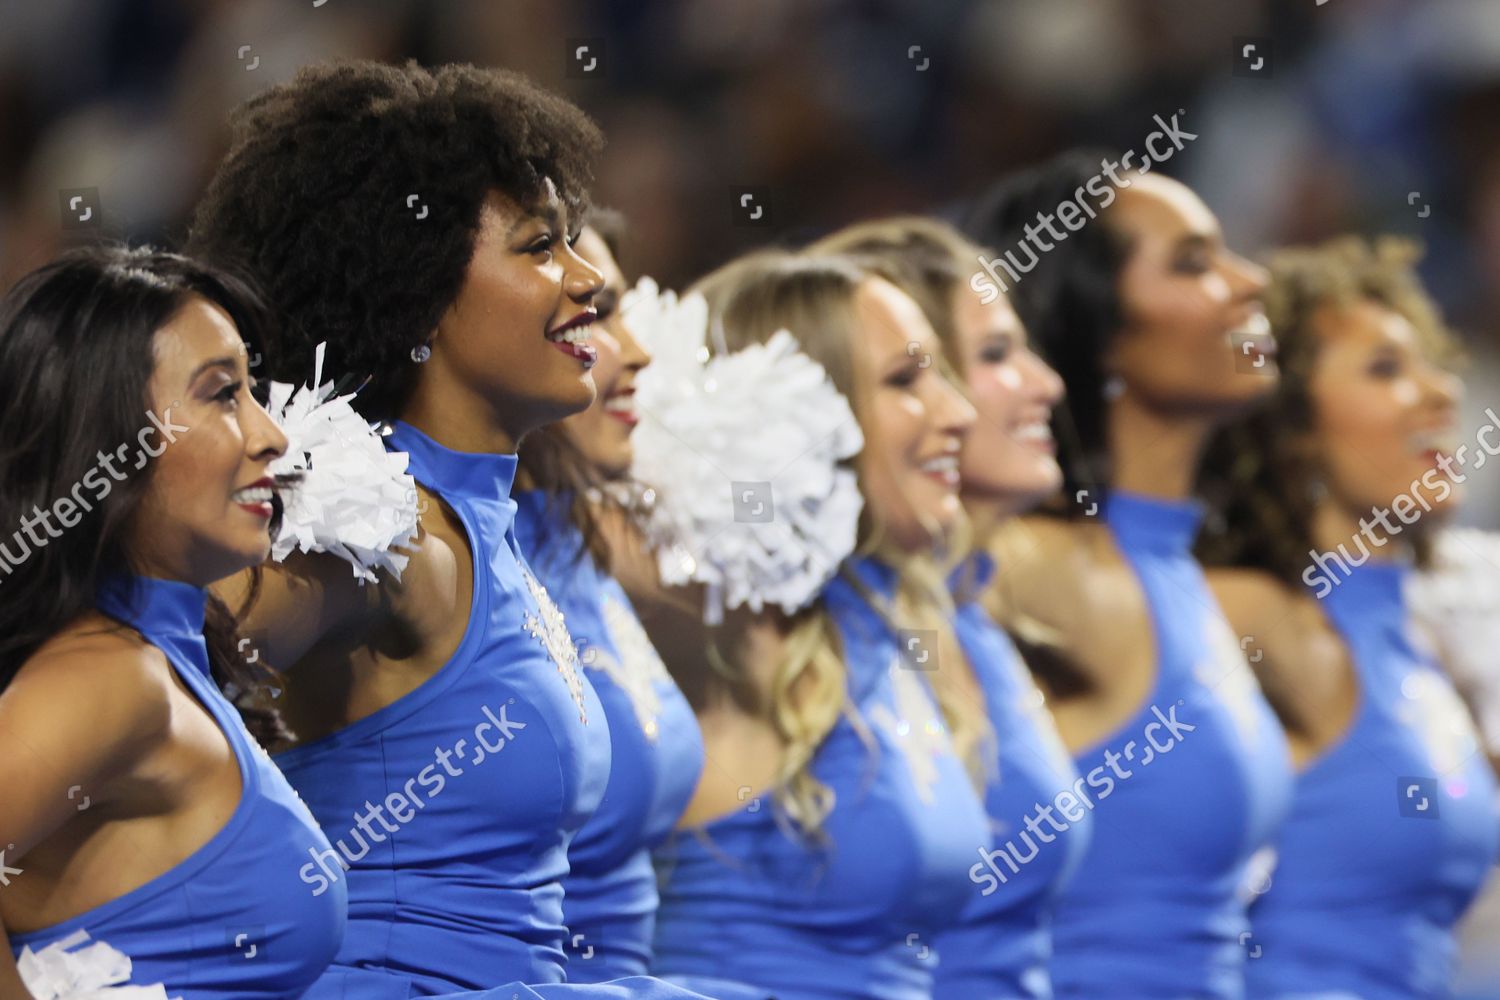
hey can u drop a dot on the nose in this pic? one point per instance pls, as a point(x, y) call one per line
point(265, 441)
point(1044, 384)
point(581, 280)
point(632, 355)
point(952, 411)
point(1247, 278)
point(1443, 388)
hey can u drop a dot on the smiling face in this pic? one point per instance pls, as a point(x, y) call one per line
point(602, 432)
point(1195, 340)
point(515, 341)
point(207, 510)
point(1009, 456)
point(1382, 411)
point(913, 418)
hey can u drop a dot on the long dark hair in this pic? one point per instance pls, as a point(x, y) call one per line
point(1069, 302)
point(76, 360)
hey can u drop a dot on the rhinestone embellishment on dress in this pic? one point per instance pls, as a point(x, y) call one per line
point(552, 632)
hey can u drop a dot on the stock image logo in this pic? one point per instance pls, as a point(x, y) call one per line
point(751, 207)
point(245, 944)
point(586, 58)
point(80, 208)
point(1417, 797)
point(1253, 58)
point(919, 649)
point(753, 503)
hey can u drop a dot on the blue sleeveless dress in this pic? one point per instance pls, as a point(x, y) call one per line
point(1002, 948)
point(609, 901)
point(745, 899)
point(232, 921)
point(1392, 830)
point(454, 806)
point(1182, 795)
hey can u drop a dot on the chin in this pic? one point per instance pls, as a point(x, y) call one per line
point(568, 401)
point(616, 466)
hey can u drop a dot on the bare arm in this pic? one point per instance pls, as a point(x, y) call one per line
point(80, 714)
point(298, 602)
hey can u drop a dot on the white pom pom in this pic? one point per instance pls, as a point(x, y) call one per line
point(744, 451)
point(355, 500)
point(92, 972)
point(1455, 607)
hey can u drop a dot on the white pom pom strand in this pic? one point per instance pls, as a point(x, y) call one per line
point(356, 500)
point(70, 969)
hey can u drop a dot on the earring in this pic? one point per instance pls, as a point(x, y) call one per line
point(1114, 385)
point(421, 353)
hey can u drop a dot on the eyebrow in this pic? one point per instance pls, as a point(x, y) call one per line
point(547, 212)
point(1195, 241)
point(225, 362)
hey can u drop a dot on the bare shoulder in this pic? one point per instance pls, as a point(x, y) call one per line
point(1051, 567)
point(95, 683)
point(1044, 549)
point(1300, 659)
point(1251, 598)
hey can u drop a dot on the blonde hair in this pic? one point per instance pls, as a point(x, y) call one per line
point(925, 257)
point(814, 298)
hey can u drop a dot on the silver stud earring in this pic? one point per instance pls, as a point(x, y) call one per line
point(1114, 385)
point(421, 353)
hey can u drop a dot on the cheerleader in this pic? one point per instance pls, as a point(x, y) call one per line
point(139, 809)
point(422, 224)
point(830, 836)
point(1329, 499)
point(656, 750)
point(1001, 949)
point(1157, 330)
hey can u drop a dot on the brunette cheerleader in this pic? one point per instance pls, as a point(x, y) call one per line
point(1156, 328)
point(1329, 498)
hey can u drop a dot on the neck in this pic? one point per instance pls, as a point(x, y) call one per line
point(1335, 524)
point(458, 419)
point(1152, 453)
point(986, 515)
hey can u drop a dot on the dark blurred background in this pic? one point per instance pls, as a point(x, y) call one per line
point(733, 123)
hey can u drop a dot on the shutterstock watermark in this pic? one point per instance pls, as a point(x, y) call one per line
point(404, 804)
point(1071, 802)
point(1408, 508)
point(66, 509)
point(1076, 212)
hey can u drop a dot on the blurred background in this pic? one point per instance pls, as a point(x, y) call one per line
point(734, 123)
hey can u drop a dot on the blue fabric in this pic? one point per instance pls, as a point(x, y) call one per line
point(1156, 910)
point(747, 899)
point(1392, 830)
point(1001, 949)
point(487, 769)
point(233, 920)
point(609, 901)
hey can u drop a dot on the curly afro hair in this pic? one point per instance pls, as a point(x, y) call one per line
point(353, 193)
